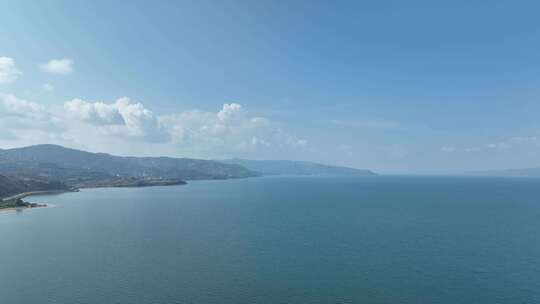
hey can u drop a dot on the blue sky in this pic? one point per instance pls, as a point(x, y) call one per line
point(394, 86)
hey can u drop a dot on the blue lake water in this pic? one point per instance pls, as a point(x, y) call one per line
point(386, 239)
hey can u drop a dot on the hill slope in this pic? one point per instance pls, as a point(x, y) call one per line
point(75, 166)
point(11, 185)
point(46, 167)
point(276, 167)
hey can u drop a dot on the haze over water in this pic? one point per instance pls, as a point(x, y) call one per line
point(385, 239)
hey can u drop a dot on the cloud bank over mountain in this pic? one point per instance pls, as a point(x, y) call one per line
point(130, 124)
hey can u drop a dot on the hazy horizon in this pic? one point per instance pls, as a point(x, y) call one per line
point(428, 172)
point(269, 151)
point(412, 87)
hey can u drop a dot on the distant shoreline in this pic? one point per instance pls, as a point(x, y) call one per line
point(122, 184)
point(15, 202)
point(20, 209)
point(43, 192)
point(60, 191)
point(133, 183)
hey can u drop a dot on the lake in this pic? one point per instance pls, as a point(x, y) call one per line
point(383, 239)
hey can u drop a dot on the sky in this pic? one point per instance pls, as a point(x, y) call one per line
point(392, 86)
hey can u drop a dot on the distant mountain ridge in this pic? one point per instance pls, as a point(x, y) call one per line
point(11, 185)
point(75, 167)
point(281, 167)
point(186, 168)
point(46, 167)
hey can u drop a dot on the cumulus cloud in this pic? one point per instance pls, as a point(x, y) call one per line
point(58, 66)
point(230, 112)
point(10, 105)
point(231, 130)
point(17, 113)
point(125, 123)
point(121, 118)
point(8, 70)
point(96, 113)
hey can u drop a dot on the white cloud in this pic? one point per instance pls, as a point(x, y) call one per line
point(47, 87)
point(121, 118)
point(8, 70)
point(230, 130)
point(16, 113)
point(499, 146)
point(58, 66)
point(10, 105)
point(230, 112)
point(96, 113)
point(448, 149)
point(122, 125)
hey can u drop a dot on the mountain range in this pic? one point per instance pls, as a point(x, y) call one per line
point(277, 167)
point(45, 167)
point(74, 166)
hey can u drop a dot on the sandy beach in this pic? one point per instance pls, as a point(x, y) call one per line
point(21, 209)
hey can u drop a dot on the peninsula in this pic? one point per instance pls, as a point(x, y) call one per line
point(43, 169)
point(18, 203)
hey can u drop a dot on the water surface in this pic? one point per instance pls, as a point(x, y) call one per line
point(386, 239)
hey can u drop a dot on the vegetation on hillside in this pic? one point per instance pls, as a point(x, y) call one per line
point(11, 185)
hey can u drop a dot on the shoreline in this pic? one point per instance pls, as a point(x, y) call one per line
point(24, 206)
point(61, 191)
point(175, 183)
point(43, 192)
point(21, 209)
